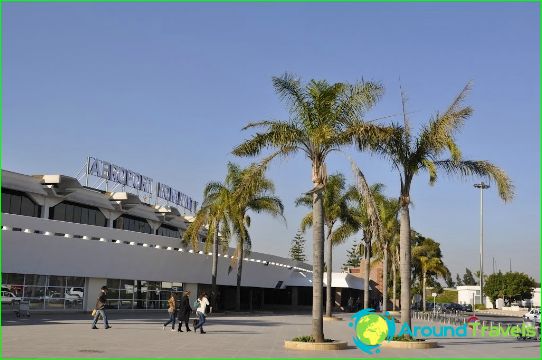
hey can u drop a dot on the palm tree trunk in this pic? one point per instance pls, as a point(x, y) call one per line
point(367, 277)
point(214, 270)
point(404, 249)
point(329, 264)
point(385, 279)
point(239, 273)
point(318, 265)
point(423, 290)
point(394, 275)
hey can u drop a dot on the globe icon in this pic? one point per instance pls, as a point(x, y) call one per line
point(371, 329)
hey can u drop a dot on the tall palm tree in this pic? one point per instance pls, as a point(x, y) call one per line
point(226, 206)
point(251, 192)
point(324, 118)
point(388, 209)
point(338, 221)
point(366, 213)
point(411, 155)
point(434, 265)
point(212, 214)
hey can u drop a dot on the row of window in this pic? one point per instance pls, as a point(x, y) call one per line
point(42, 291)
point(16, 202)
point(77, 213)
point(132, 223)
point(140, 294)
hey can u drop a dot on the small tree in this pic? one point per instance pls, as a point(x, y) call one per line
point(353, 257)
point(494, 286)
point(297, 250)
point(468, 278)
point(458, 280)
point(449, 281)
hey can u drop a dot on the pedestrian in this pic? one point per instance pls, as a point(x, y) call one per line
point(184, 311)
point(350, 304)
point(171, 309)
point(100, 309)
point(358, 303)
point(200, 312)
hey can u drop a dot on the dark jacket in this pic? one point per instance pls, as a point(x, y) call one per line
point(101, 302)
point(184, 308)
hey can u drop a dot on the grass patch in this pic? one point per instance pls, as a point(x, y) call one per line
point(406, 338)
point(308, 338)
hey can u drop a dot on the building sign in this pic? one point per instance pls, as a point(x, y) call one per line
point(119, 175)
point(169, 194)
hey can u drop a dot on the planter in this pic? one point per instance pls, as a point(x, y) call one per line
point(312, 346)
point(332, 318)
point(410, 344)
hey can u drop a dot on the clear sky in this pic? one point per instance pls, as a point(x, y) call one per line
point(164, 89)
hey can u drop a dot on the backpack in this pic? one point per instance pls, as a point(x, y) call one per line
point(196, 303)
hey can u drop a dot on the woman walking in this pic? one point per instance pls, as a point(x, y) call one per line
point(172, 308)
point(184, 311)
point(200, 312)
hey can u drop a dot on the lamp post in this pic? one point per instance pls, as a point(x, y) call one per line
point(482, 186)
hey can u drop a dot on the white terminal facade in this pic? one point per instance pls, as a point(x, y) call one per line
point(62, 241)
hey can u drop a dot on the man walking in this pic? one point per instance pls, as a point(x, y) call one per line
point(100, 309)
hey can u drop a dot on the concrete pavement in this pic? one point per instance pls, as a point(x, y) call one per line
point(141, 335)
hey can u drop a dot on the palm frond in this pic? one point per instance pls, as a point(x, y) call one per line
point(470, 168)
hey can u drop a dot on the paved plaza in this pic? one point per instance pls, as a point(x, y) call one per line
point(257, 335)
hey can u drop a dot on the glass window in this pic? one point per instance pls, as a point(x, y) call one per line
point(59, 212)
point(37, 280)
point(113, 283)
point(78, 213)
point(75, 281)
point(34, 292)
point(84, 215)
point(127, 222)
point(17, 202)
point(69, 212)
point(5, 202)
point(57, 281)
point(15, 205)
point(12, 279)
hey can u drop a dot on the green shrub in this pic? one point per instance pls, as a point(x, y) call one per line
point(406, 338)
point(308, 338)
point(479, 307)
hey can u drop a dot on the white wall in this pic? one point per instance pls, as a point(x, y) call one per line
point(35, 253)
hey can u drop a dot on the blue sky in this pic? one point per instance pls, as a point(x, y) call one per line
point(164, 89)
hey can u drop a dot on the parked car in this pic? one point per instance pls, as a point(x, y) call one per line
point(9, 298)
point(532, 315)
point(467, 307)
point(76, 291)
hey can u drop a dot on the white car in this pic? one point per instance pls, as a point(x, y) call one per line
point(76, 291)
point(532, 315)
point(9, 298)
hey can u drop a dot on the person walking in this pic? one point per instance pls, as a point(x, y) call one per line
point(171, 309)
point(200, 312)
point(100, 309)
point(184, 311)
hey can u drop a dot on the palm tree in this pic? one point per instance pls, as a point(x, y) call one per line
point(251, 191)
point(226, 205)
point(434, 265)
point(388, 210)
point(324, 118)
point(411, 155)
point(367, 212)
point(337, 211)
point(212, 214)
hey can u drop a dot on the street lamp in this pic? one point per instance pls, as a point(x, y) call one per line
point(482, 186)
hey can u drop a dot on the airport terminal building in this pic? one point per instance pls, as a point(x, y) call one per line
point(62, 241)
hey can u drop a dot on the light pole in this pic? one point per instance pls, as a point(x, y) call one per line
point(482, 186)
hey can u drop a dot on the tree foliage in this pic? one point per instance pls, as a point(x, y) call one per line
point(353, 256)
point(511, 286)
point(297, 249)
point(468, 278)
